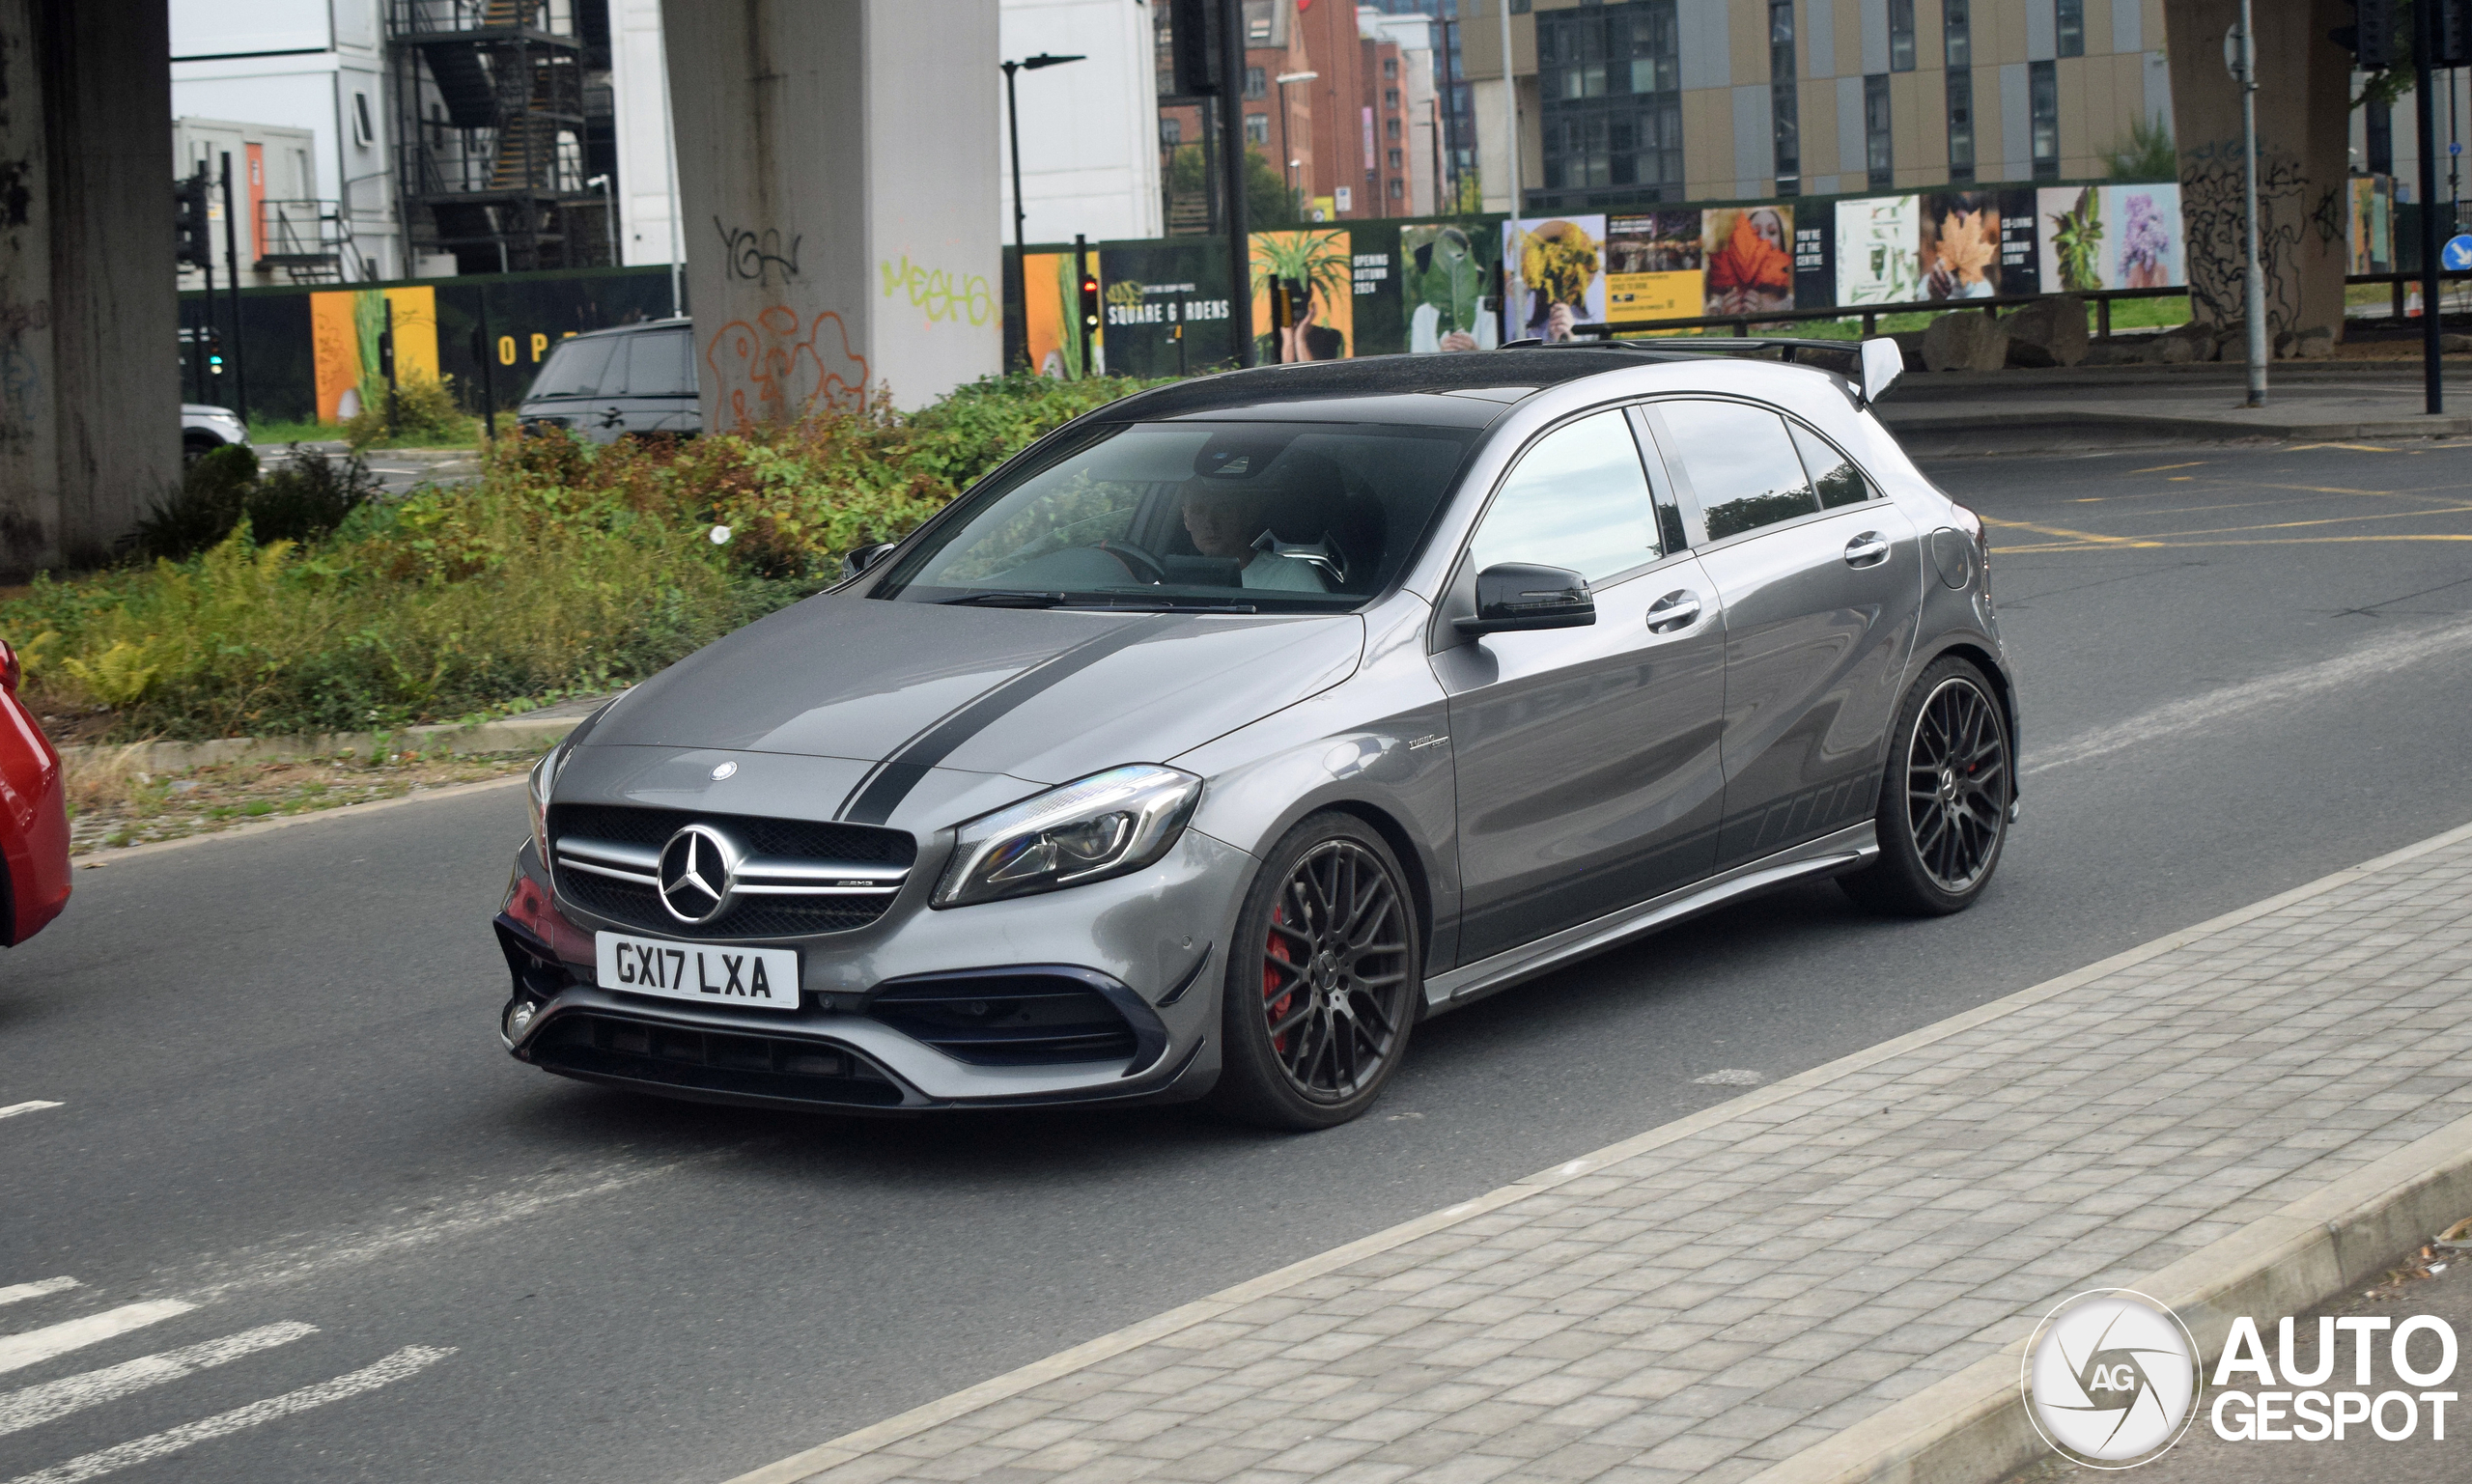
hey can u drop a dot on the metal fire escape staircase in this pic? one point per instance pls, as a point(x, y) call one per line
point(490, 117)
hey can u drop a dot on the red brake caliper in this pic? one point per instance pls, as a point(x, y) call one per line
point(1277, 949)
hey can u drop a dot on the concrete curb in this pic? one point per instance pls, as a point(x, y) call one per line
point(1965, 1429)
point(506, 734)
point(2016, 421)
point(89, 860)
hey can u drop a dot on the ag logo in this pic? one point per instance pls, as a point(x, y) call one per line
point(2111, 1378)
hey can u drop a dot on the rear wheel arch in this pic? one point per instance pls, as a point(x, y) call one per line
point(1993, 670)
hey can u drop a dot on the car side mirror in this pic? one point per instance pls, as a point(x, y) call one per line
point(1512, 597)
point(864, 557)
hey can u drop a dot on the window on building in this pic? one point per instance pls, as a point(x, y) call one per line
point(1257, 129)
point(1784, 106)
point(1608, 79)
point(1958, 33)
point(1171, 131)
point(1394, 159)
point(1399, 187)
point(2042, 101)
point(1901, 36)
point(1391, 128)
point(1255, 84)
point(1389, 67)
point(2072, 27)
point(1961, 125)
point(1390, 99)
point(1879, 156)
point(1257, 28)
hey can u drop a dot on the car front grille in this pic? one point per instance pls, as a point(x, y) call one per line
point(996, 1020)
point(798, 878)
point(593, 1045)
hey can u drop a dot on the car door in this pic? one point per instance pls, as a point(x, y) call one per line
point(659, 385)
point(568, 389)
point(1587, 769)
point(1820, 600)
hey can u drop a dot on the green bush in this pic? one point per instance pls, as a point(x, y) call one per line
point(425, 412)
point(563, 568)
point(303, 500)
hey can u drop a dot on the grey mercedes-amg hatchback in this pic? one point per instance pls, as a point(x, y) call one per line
point(1211, 743)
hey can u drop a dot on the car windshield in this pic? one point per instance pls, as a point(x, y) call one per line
point(1252, 517)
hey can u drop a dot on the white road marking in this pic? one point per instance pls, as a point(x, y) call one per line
point(18, 1350)
point(36, 1290)
point(2204, 713)
point(410, 1361)
point(35, 1107)
point(34, 1406)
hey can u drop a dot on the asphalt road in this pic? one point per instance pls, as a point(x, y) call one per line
point(281, 1101)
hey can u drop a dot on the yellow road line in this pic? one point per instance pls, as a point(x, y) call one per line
point(2186, 545)
point(2062, 531)
point(2160, 467)
point(2358, 448)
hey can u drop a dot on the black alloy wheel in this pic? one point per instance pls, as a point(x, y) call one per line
point(1944, 805)
point(1324, 990)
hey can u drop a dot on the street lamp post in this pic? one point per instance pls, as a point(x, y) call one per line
point(1017, 353)
point(1283, 79)
point(2244, 69)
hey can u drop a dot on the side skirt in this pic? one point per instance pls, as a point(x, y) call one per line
point(1846, 850)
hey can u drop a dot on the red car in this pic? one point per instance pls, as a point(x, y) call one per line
point(34, 815)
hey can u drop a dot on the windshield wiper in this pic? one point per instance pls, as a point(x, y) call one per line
point(998, 598)
point(1162, 606)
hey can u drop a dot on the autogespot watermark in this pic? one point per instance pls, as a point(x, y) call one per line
point(2110, 1380)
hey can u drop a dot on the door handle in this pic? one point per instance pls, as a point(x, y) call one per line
point(1673, 611)
point(1868, 549)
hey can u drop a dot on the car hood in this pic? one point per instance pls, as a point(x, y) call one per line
point(1044, 695)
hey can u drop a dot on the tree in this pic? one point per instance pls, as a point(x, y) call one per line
point(2147, 154)
point(1268, 202)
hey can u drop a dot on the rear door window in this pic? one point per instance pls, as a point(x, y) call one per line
point(1838, 482)
point(578, 367)
point(1577, 499)
point(1739, 463)
point(657, 365)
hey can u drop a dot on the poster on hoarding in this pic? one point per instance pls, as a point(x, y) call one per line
point(1320, 278)
point(1958, 237)
point(1552, 276)
point(1815, 258)
point(2373, 224)
point(1751, 259)
point(1148, 291)
point(2111, 236)
point(1446, 287)
point(1050, 299)
point(1879, 250)
point(345, 330)
point(1653, 268)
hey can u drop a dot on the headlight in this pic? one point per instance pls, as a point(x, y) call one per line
point(1102, 825)
point(543, 774)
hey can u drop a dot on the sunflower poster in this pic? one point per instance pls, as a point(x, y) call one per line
point(1319, 271)
point(1553, 275)
point(1751, 259)
point(1879, 250)
point(1653, 266)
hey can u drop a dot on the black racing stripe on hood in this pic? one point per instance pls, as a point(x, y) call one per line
point(884, 788)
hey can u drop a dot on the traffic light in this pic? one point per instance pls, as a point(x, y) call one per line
point(1089, 306)
point(215, 352)
point(193, 242)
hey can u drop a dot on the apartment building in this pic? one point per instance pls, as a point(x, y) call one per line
point(1697, 100)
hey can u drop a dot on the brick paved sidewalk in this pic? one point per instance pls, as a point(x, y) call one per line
point(1713, 1298)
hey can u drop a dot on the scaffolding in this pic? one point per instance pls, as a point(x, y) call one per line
point(491, 125)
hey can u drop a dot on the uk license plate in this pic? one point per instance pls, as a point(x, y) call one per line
point(748, 978)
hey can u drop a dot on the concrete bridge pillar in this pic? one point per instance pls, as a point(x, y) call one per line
point(837, 173)
point(2304, 130)
point(90, 426)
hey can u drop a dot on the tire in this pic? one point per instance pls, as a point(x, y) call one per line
point(1324, 982)
point(192, 449)
point(1944, 799)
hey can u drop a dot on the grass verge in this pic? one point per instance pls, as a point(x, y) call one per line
point(114, 804)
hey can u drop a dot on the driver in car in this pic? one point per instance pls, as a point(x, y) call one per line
point(1229, 519)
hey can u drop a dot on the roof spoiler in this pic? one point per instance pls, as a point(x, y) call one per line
point(1877, 361)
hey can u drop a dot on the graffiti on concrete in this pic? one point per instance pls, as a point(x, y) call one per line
point(757, 256)
point(937, 294)
point(765, 371)
point(21, 393)
point(2212, 203)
